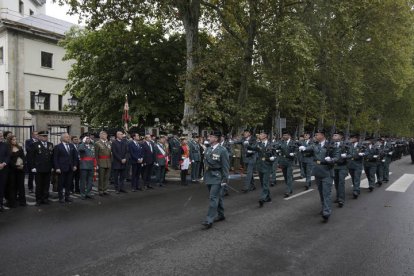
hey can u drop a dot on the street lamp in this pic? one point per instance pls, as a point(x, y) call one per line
point(73, 102)
point(40, 98)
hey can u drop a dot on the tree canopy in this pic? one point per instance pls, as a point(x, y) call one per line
point(229, 64)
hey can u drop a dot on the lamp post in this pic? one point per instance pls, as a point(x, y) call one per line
point(40, 98)
point(73, 102)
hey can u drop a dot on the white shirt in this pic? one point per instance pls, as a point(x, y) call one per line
point(264, 142)
point(149, 144)
point(215, 146)
point(323, 143)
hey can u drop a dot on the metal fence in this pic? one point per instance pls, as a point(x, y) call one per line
point(22, 132)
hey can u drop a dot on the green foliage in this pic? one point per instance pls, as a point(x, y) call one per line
point(347, 64)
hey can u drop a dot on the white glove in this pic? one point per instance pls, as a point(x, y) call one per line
point(249, 151)
point(328, 159)
point(223, 184)
point(206, 143)
point(246, 143)
point(192, 161)
point(343, 155)
point(183, 158)
point(156, 164)
point(272, 158)
point(361, 154)
point(302, 148)
point(291, 154)
point(390, 153)
point(375, 156)
point(277, 151)
point(34, 170)
point(383, 160)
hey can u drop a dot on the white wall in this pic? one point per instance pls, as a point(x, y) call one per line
point(32, 59)
point(13, 7)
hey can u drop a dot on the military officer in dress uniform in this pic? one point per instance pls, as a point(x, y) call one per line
point(356, 164)
point(195, 157)
point(40, 158)
point(160, 160)
point(371, 157)
point(175, 146)
point(307, 160)
point(87, 166)
point(287, 152)
point(216, 160)
point(103, 159)
point(340, 167)
point(325, 155)
point(266, 157)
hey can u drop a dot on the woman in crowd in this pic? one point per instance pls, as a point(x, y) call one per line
point(15, 192)
point(185, 160)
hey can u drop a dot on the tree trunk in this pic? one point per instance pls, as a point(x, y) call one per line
point(190, 16)
point(246, 68)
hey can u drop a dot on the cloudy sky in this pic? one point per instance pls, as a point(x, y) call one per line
point(53, 9)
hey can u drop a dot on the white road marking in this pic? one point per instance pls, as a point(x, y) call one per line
point(402, 184)
point(299, 194)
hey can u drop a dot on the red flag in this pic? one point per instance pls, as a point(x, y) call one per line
point(125, 117)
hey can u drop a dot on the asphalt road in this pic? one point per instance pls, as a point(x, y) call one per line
point(158, 232)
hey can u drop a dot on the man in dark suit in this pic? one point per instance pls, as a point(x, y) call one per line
point(149, 159)
point(27, 145)
point(119, 161)
point(136, 157)
point(65, 158)
point(4, 163)
point(76, 174)
point(40, 160)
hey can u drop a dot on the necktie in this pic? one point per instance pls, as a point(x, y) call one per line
point(67, 147)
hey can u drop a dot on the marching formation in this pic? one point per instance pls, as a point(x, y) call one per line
point(75, 164)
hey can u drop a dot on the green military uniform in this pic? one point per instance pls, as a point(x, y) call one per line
point(325, 155)
point(388, 151)
point(265, 160)
point(371, 158)
point(275, 144)
point(216, 160)
point(307, 163)
point(86, 165)
point(287, 153)
point(355, 165)
point(341, 171)
point(103, 156)
point(195, 157)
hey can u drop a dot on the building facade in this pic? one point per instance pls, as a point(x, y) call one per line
point(31, 60)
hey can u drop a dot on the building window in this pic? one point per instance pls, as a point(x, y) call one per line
point(33, 105)
point(21, 7)
point(60, 103)
point(2, 98)
point(1, 55)
point(31, 12)
point(47, 60)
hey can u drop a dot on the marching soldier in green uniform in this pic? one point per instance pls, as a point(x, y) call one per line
point(273, 173)
point(307, 160)
point(371, 156)
point(380, 165)
point(249, 159)
point(87, 167)
point(103, 158)
point(195, 157)
point(264, 164)
point(325, 155)
point(356, 164)
point(340, 167)
point(287, 152)
point(216, 161)
point(388, 152)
